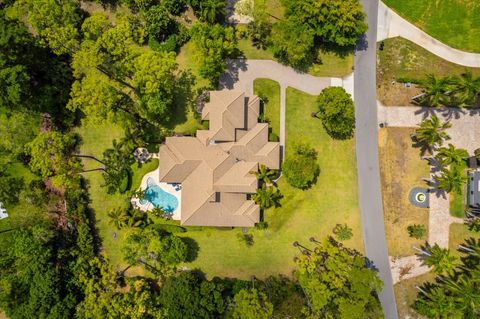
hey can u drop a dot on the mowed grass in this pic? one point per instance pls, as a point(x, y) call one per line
point(95, 140)
point(331, 64)
point(458, 234)
point(403, 59)
point(401, 169)
point(406, 293)
point(303, 214)
point(269, 91)
point(453, 22)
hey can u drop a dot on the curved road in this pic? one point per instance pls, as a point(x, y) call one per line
point(370, 195)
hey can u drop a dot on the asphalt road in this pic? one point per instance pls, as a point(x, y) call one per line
point(370, 196)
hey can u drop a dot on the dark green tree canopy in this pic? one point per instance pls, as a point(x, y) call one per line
point(300, 167)
point(337, 112)
point(335, 21)
point(338, 283)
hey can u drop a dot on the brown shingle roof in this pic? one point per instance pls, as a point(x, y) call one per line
point(215, 167)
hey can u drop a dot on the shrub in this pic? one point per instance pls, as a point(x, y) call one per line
point(300, 167)
point(416, 231)
point(337, 112)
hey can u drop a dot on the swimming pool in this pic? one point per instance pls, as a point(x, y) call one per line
point(158, 197)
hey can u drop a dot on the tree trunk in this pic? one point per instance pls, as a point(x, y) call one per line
point(89, 157)
point(93, 170)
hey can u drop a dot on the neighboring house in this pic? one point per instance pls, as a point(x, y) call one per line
point(215, 167)
point(473, 195)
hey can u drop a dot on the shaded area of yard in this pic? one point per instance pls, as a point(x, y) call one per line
point(95, 140)
point(303, 214)
point(269, 91)
point(401, 169)
point(405, 294)
point(458, 234)
point(453, 22)
point(458, 200)
point(402, 59)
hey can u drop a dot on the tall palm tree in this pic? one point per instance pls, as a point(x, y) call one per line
point(467, 89)
point(438, 258)
point(267, 197)
point(435, 90)
point(265, 174)
point(451, 155)
point(212, 10)
point(451, 180)
point(431, 132)
point(117, 218)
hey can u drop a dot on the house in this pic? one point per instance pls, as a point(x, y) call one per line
point(215, 167)
point(474, 189)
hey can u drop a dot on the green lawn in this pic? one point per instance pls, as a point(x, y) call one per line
point(269, 90)
point(457, 204)
point(404, 59)
point(458, 234)
point(331, 64)
point(96, 139)
point(303, 213)
point(453, 22)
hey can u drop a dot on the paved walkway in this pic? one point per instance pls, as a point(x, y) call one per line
point(406, 268)
point(241, 73)
point(390, 25)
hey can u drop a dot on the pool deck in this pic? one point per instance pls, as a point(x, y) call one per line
point(165, 186)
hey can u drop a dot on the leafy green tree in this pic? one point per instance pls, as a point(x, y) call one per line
point(10, 187)
point(337, 112)
point(18, 130)
point(456, 293)
point(251, 304)
point(337, 283)
point(474, 225)
point(118, 79)
point(300, 167)
point(438, 258)
point(267, 196)
point(451, 155)
point(431, 132)
point(451, 180)
point(188, 296)
point(175, 7)
point(435, 90)
point(215, 43)
point(50, 156)
point(416, 231)
point(159, 23)
point(466, 89)
point(259, 32)
point(157, 250)
point(117, 161)
point(293, 44)
point(342, 232)
point(340, 22)
point(56, 22)
point(212, 11)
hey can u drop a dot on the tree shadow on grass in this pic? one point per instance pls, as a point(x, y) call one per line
point(192, 250)
point(184, 96)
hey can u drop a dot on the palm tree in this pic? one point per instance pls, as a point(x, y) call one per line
point(431, 132)
point(435, 90)
point(342, 232)
point(451, 180)
point(467, 89)
point(451, 155)
point(117, 218)
point(265, 174)
point(267, 197)
point(438, 258)
point(212, 10)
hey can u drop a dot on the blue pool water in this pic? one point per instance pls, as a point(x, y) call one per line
point(159, 198)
